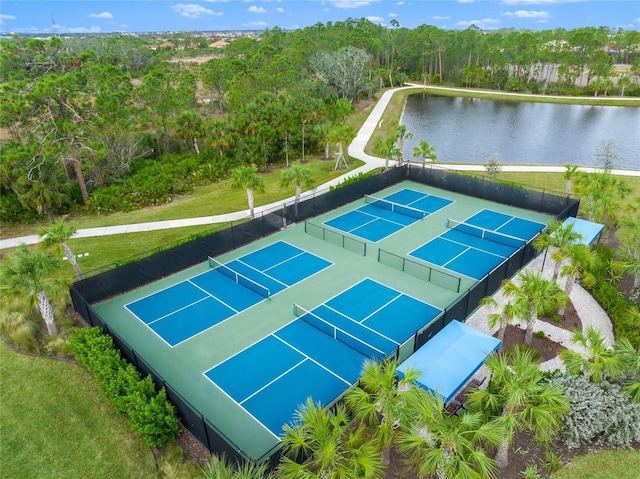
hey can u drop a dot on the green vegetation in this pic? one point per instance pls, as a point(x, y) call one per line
point(56, 423)
point(151, 414)
point(620, 464)
point(131, 140)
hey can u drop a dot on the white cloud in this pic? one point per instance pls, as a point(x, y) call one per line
point(537, 2)
point(191, 10)
point(399, 3)
point(438, 17)
point(280, 10)
point(254, 9)
point(527, 14)
point(485, 23)
point(350, 3)
point(4, 18)
point(216, 1)
point(393, 15)
point(255, 24)
point(375, 19)
point(465, 1)
point(101, 15)
point(84, 30)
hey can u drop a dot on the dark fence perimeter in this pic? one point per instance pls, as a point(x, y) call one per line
point(132, 275)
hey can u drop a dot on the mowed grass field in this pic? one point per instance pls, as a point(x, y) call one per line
point(56, 423)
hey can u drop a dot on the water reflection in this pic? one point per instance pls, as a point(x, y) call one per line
point(471, 130)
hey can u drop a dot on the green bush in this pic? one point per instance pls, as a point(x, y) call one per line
point(354, 179)
point(151, 414)
point(57, 345)
point(600, 414)
point(619, 309)
point(152, 183)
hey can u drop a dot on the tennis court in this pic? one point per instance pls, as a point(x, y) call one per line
point(475, 246)
point(189, 307)
point(382, 217)
point(320, 354)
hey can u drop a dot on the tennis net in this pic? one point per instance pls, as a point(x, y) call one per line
point(395, 207)
point(483, 233)
point(338, 334)
point(239, 278)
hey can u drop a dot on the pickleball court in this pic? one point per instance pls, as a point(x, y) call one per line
point(320, 354)
point(203, 301)
point(475, 246)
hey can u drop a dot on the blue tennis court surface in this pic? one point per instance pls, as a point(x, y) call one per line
point(479, 244)
point(194, 305)
point(320, 354)
point(378, 219)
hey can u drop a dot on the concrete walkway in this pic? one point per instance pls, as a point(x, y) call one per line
point(356, 150)
point(590, 312)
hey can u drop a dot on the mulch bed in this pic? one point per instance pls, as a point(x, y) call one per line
point(525, 449)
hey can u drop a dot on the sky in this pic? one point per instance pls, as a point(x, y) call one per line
point(131, 16)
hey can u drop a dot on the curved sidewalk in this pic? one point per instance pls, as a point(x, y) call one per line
point(356, 150)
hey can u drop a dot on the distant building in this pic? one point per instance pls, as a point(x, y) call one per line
point(218, 44)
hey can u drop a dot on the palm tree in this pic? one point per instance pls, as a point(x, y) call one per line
point(425, 151)
point(598, 359)
point(342, 135)
point(219, 468)
point(400, 134)
point(386, 148)
point(576, 269)
point(247, 177)
point(189, 127)
point(519, 398)
point(569, 174)
point(448, 446)
point(334, 447)
point(560, 235)
point(298, 175)
point(630, 357)
point(57, 237)
point(381, 400)
point(601, 193)
point(533, 297)
point(27, 274)
point(508, 313)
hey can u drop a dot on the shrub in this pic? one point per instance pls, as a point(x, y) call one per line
point(151, 414)
point(18, 330)
point(539, 334)
point(552, 461)
point(600, 414)
point(57, 345)
point(354, 179)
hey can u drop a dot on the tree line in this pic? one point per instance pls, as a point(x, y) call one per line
point(105, 123)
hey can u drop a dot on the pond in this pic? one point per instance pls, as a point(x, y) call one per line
point(472, 130)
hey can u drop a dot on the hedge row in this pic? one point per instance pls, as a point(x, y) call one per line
point(151, 414)
point(618, 308)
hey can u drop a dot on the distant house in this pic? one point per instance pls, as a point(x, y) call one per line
point(167, 45)
point(218, 44)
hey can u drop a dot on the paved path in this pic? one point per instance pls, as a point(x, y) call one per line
point(356, 150)
point(590, 312)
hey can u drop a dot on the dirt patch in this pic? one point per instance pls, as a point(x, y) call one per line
point(570, 320)
point(546, 348)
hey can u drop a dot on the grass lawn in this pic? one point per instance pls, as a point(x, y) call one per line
point(209, 200)
point(57, 424)
point(621, 464)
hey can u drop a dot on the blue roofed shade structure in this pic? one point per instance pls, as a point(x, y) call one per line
point(589, 230)
point(450, 358)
